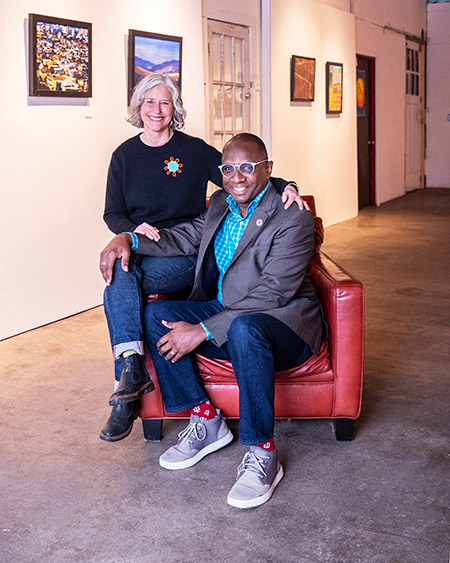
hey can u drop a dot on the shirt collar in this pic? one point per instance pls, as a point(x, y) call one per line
point(234, 207)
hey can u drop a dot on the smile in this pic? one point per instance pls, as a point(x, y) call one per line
point(155, 118)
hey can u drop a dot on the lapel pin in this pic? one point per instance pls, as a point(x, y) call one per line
point(259, 222)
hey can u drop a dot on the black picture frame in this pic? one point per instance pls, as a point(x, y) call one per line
point(334, 80)
point(165, 50)
point(303, 78)
point(60, 57)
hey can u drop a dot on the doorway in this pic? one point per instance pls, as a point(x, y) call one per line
point(365, 99)
point(229, 86)
point(414, 119)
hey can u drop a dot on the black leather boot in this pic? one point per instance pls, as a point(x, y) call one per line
point(134, 381)
point(120, 422)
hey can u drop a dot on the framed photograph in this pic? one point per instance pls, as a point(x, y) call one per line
point(303, 76)
point(333, 82)
point(60, 57)
point(150, 53)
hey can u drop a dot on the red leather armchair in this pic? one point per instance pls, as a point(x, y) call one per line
point(327, 386)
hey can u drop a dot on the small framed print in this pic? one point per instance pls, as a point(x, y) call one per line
point(150, 53)
point(334, 76)
point(60, 57)
point(303, 76)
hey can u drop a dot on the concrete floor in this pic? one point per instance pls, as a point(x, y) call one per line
point(68, 496)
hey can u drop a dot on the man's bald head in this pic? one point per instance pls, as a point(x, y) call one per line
point(248, 140)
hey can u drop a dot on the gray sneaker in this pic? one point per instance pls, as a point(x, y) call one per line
point(258, 475)
point(196, 441)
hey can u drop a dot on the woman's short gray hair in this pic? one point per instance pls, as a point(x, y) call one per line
point(138, 97)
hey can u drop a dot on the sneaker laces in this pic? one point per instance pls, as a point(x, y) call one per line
point(252, 463)
point(193, 431)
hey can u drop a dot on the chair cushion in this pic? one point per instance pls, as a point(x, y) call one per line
point(316, 368)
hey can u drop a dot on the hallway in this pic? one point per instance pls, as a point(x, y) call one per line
point(67, 496)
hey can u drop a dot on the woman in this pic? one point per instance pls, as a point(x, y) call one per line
point(156, 179)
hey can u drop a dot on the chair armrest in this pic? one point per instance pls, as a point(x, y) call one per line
point(342, 299)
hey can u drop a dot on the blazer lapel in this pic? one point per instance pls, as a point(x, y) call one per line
point(214, 217)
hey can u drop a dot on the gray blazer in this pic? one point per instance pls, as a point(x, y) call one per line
point(269, 272)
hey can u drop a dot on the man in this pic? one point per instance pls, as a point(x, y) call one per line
point(252, 303)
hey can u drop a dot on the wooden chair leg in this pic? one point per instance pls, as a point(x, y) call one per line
point(344, 429)
point(152, 429)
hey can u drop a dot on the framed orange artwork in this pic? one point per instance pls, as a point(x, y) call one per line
point(334, 76)
point(303, 76)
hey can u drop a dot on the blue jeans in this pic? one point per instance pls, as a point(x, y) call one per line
point(124, 299)
point(257, 345)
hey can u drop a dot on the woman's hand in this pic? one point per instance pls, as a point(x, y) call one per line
point(291, 195)
point(118, 247)
point(151, 232)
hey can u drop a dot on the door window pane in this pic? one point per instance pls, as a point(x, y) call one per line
point(215, 54)
point(228, 59)
point(217, 107)
point(228, 107)
point(218, 143)
point(238, 60)
point(239, 108)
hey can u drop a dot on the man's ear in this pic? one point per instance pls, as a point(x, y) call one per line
point(269, 168)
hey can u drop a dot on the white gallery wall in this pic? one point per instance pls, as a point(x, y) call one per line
point(54, 154)
point(437, 163)
point(316, 149)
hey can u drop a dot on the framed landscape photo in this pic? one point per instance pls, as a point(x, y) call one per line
point(303, 76)
point(334, 75)
point(60, 57)
point(150, 53)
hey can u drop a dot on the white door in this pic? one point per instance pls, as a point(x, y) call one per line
point(229, 88)
point(414, 165)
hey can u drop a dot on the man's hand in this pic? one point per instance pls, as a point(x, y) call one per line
point(290, 195)
point(118, 247)
point(149, 231)
point(182, 339)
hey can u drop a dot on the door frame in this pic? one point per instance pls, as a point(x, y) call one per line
point(371, 61)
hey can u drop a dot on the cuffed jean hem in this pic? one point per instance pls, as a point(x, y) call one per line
point(253, 442)
point(136, 346)
point(186, 406)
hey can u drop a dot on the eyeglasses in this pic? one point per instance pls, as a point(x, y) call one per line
point(245, 168)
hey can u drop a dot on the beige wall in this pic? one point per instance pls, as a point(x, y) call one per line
point(438, 101)
point(317, 150)
point(54, 155)
point(405, 15)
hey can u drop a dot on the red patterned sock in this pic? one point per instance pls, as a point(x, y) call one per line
point(268, 446)
point(205, 411)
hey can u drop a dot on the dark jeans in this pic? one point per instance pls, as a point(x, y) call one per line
point(257, 345)
point(124, 299)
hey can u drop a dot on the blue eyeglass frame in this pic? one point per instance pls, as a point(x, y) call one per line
point(238, 166)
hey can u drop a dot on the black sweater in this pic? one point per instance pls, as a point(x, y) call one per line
point(162, 186)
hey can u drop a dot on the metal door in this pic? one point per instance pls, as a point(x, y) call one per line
point(365, 111)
